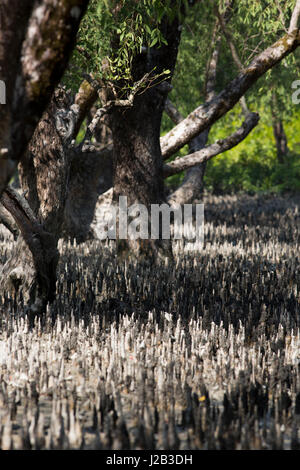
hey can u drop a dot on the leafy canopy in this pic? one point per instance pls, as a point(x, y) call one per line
point(113, 33)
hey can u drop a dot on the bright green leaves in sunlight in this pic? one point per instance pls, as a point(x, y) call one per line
point(114, 32)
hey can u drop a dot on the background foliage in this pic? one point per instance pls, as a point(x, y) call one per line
point(114, 32)
point(251, 166)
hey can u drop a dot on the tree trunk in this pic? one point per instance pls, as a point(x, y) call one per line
point(137, 161)
point(137, 155)
point(280, 139)
point(137, 158)
point(35, 46)
point(44, 173)
point(90, 176)
point(278, 129)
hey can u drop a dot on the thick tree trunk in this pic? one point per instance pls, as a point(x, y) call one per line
point(44, 173)
point(32, 62)
point(32, 268)
point(280, 139)
point(137, 155)
point(90, 176)
point(138, 163)
point(137, 158)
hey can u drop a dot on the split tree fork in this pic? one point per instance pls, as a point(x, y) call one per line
point(138, 168)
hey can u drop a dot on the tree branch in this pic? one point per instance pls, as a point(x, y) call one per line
point(295, 18)
point(173, 112)
point(84, 100)
point(126, 103)
point(40, 243)
point(235, 56)
point(208, 113)
point(183, 163)
point(8, 222)
point(192, 185)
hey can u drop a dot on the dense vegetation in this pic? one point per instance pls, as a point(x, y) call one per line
point(253, 165)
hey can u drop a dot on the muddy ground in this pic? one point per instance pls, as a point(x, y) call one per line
point(199, 352)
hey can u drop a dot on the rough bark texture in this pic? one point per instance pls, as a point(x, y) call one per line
point(44, 174)
point(90, 175)
point(33, 61)
point(137, 155)
point(136, 129)
point(35, 257)
point(7, 220)
point(182, 163)
point(13, 24)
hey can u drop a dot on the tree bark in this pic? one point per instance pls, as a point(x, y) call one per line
point(137, 158)
point(280, 139)
point(278, 130)
point(35, 44)
point(44, 172)
point(8, 222)
point(90, 176)
point(34, 259)
point(220, 146)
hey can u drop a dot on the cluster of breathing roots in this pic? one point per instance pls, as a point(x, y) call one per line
point(198, 352)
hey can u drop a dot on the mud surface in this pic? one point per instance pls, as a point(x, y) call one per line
point(199, 352)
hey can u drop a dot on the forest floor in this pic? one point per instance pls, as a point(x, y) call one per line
point(198, 352)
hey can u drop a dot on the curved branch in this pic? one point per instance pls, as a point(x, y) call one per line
point(41, 244)
point(221, 146)
point(84, 100)
point(295, 18)
point(8, 222)
point(208, 113)
point(173, 112)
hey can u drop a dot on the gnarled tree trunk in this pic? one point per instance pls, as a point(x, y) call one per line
point(137, 158)
point(137, 161)
point(44, 173)
point(90, 176)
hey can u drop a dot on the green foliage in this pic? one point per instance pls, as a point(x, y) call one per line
point(252, 166)
point(113, 33)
